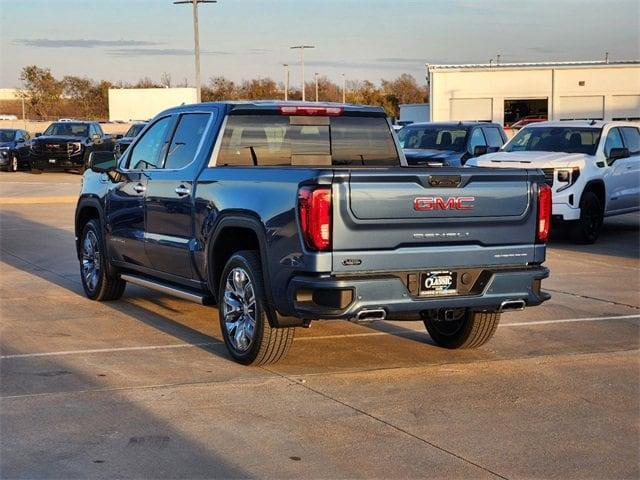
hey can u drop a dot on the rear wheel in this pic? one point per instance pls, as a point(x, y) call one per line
point(244, 321)
point(461, 328)
point(586, 230)
point(97, 283)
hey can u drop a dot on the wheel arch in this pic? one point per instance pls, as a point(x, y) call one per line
point(87, 209)
point(598, 188)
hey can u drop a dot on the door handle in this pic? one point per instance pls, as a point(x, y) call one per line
point(139, 188)
point(182, 191)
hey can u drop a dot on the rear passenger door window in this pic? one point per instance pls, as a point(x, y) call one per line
point(186, 140)
point(148, 151)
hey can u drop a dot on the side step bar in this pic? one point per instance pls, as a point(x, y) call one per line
point(161, 287)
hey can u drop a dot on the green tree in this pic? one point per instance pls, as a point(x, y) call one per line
point(41, 90)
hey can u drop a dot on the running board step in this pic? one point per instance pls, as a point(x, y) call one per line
point(170, 290)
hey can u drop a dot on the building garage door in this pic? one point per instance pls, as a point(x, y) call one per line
point(581, 108)
point(624, 107)
point(471, 109)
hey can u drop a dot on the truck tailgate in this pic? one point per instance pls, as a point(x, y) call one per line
point(402, 219)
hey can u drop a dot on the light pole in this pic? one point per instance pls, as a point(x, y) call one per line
point(344, 89)
point(196, 40)
point(316, 76)
point(302, 48)
point(286, 81)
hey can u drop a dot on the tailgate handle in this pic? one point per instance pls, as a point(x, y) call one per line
point(445, 180)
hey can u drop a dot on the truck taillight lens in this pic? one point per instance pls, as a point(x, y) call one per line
point(544, 212)
point(314, 208)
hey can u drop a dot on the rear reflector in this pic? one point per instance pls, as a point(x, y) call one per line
point(314, 208)
point(544, 212)
point(310, 110)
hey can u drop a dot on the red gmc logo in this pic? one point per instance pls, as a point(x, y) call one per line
point(439, 203)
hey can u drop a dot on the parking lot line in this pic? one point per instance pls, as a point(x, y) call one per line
point(38, 200)
point(322, 337)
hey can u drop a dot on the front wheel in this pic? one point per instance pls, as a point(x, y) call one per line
point(14, 164)
point(586, 230)
point(244, 322)
point(461, 328)
point(97, 283)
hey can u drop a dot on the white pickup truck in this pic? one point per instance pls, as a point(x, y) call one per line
point(592, 166)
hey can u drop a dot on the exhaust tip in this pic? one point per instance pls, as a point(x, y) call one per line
point(372, 314)
point(512, 305)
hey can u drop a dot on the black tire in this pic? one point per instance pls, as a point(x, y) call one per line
point(104, 286)
point(15, 164)
point(587, 230)
point(469, 330)
point(264, 344)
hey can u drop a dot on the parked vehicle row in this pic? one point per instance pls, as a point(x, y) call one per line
point(593, 168)
point(64, 145)
point(285, 213)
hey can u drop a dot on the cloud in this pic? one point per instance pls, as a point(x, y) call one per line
point(159, 52)
point(401, 60)
point(80, 43)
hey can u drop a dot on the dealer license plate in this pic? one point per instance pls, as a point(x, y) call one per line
point(441, 282)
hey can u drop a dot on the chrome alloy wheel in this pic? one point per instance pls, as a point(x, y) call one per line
point(14, 164)
point(90, 260)
point(239, 309)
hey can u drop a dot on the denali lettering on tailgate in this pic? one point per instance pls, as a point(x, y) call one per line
point(439, 203)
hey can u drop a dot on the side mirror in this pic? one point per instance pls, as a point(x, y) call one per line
point(20, 140)
point(95, 136)
point(479, 150)
point(617, 154)
point(102, 162)
point(119, 136)
point(38, 134)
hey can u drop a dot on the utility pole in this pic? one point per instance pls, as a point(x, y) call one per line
point(316, 75)
point(498, 59)
point(344, 89)
point(286, 81)
point(302, 48)
point(196, 40)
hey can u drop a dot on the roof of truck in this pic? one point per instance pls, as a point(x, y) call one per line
point(273, 105)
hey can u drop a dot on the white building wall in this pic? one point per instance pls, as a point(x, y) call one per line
point(126, 104)
point(616, 88)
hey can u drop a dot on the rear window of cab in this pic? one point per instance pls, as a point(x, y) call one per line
point(298, 140)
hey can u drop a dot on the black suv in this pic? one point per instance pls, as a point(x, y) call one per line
point(449, 144)
point(14, 149)
point(67, 145)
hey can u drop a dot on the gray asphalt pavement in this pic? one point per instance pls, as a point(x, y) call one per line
point(143, 387)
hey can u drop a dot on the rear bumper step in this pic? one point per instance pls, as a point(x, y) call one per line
point(505, 290)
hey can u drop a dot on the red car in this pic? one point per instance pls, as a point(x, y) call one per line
point(527, 120)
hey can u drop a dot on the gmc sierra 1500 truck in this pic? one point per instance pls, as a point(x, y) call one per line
point(283, 213)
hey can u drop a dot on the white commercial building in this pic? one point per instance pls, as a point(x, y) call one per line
point(127, 104)
point(505, 93)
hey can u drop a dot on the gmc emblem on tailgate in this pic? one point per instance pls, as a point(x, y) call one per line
point(439, 203)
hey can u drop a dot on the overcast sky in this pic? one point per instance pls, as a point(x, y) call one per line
point(365, 39)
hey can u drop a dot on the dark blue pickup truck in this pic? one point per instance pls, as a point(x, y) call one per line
point(283, 213)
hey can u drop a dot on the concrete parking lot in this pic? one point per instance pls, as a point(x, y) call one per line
point(143, 387)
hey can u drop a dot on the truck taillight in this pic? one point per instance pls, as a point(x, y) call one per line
point(544, 212)
point(314, 209)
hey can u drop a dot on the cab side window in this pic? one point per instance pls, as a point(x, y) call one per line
point(477, 139)
point(149, 150)
point(494, 139)
point(186, 140)
point(631, 136)
point(614, 140)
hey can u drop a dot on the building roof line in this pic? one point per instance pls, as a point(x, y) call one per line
point(587, 63)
